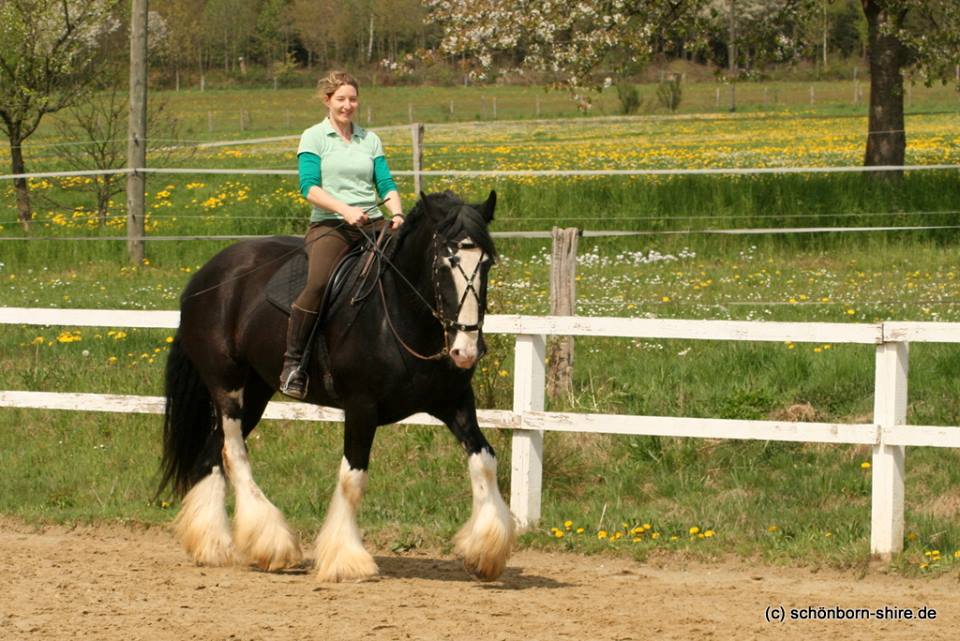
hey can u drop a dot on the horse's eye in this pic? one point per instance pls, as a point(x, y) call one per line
point(454, 260)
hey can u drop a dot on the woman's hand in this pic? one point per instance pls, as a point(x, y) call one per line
point(396, 221)
point(354, 216)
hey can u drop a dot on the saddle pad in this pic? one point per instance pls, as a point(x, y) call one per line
point(288, 282)
point(284, 287)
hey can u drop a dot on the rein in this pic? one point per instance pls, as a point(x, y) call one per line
point(435, 311)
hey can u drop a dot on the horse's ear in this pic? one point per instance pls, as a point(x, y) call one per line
point(486, 208)
point(431, 210)
point(426, 202)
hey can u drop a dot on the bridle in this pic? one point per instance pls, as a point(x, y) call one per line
point(454, 260)
point(441, 250)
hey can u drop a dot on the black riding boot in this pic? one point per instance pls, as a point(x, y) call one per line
point(293, 376)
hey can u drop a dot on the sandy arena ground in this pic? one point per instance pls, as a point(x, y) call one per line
point(112, 583)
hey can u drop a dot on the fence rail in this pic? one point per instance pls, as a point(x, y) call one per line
point(888, 434)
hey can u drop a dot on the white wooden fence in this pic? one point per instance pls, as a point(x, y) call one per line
point(887, 435)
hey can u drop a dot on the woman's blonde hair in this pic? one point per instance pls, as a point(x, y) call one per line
point(329, 84)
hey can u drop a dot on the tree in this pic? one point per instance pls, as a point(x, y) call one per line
point(95, 132)
point(46, 52)
point(577, 42)
point(924, 34)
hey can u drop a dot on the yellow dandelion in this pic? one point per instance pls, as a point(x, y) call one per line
point(694, 530)
point(865, 465)
point(772, 528)
point(580, 530)
point(602, 534)
point(568, 524)
point(709, 534)
point(168, 339)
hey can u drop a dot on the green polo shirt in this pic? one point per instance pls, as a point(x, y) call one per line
point(347, 171)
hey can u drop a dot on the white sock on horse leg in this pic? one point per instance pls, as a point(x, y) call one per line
point(262, 535)
point(202, 525)
point(487, 539)
point(340, 555)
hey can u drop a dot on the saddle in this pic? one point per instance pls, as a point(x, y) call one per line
point(353, 272)
point(287, 283)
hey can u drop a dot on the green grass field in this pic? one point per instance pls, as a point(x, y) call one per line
point(642, 495)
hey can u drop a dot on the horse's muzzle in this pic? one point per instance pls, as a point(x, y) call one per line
point(464, 359)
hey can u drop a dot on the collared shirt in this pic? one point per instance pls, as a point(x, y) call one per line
point(350, 172)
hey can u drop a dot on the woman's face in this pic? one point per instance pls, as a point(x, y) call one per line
point(342, 105)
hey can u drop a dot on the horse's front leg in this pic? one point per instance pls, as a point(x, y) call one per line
point(486, 540)
point(340, 555)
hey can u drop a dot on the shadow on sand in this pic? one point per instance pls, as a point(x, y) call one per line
point(433, 569)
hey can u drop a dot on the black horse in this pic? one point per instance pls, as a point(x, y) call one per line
point(410, 345)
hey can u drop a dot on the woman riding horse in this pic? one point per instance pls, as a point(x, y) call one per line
point(404, 338)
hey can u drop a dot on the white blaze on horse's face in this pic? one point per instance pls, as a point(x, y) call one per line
point(464, 265)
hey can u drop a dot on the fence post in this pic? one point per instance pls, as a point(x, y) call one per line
point(889, 410)
point(416, 131)
point(526, 465)
point(563, 302)
point(137, 133)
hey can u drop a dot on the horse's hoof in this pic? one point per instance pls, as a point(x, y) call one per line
point(485, 570)
point(346, 566)
point(263, 538)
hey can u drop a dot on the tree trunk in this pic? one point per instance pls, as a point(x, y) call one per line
point(886, 138)
point(20, 185)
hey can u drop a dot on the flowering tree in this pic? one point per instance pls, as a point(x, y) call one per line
point(46, 51)
point(572, 41)
point(743, 34)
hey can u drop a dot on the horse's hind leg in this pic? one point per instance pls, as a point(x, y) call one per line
point(202, 525)
point(261, 534)
point(340, 555)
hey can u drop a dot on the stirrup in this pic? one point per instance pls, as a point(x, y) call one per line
point(296, 384)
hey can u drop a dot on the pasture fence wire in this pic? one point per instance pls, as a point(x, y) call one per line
point(888, 434)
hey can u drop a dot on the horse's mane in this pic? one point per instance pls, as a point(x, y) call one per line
point(459, 221)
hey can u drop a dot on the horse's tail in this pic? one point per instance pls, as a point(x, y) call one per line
point(186, 422)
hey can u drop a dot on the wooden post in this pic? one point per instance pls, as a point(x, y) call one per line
point(137, 132)
point(526, 465)
point(563, 302)
point(813, 96)
point(416, 130)
point(889, 410)
point(410, 111)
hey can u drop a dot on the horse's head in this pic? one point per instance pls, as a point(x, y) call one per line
point(463, 253)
